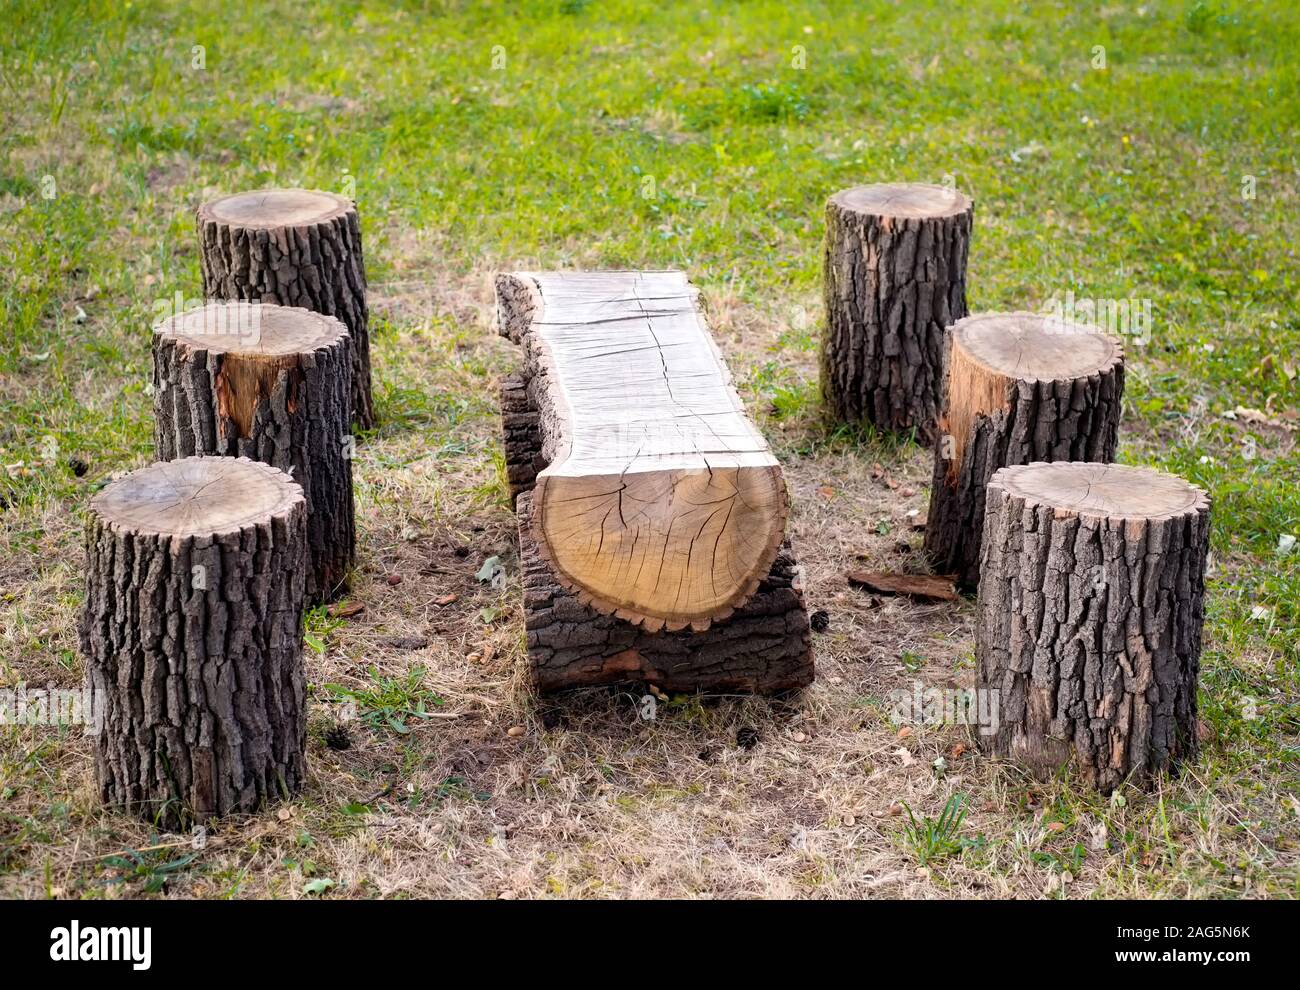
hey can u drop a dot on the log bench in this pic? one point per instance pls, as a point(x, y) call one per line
point(651, 511)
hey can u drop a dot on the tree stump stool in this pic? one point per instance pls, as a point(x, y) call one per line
point(192, 634)
point(1089, 618)
point(1021, 388)
point(292, 247)
point(271, 383)
point(651, 511)
point(894, 279)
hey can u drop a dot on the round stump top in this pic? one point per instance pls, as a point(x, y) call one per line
point(1033, 347)
point(903, 200)
point(197, 496)
point(270, 208)
point(253, 329)
point(1109, 491)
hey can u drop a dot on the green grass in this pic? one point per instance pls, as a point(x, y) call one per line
point(486, 135)
point(390, 702)
point(931, 839)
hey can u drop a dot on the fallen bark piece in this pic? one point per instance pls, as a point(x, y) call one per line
point(923, 587)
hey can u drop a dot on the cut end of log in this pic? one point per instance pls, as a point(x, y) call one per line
point(1033, 347)
point(198, 496)
point(664, 548)
point(903, 200)
point(1114, 492)
point(267, 209)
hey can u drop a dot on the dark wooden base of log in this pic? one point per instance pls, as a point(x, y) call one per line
point(765, 647)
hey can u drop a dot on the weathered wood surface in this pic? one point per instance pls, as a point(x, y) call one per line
point(894, 277)
point(1020, 388)
point(292, 247)
point(659, 501)
point(1089, 618)
point(192, 638)
point(271, 383)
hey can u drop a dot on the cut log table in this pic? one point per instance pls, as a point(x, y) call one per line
point(271, 383)
point(292, 247)
point(192, 635)
point(1089, 618)
point(1020, 388)
point(894, 277)
point(657, 513)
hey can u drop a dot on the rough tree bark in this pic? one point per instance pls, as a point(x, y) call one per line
point(271, 383)
point(192, 635)
point(894, 279)
point(764, 646)
point(521, 433)
point(1020, 388)
point(659, 501)
point(1089, 618)
point(292, 247)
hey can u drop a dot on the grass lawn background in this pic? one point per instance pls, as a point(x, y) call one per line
point(478, 137)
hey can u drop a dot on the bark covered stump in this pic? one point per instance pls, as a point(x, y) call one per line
point(292, 247)
point(894, 277)
point(1020, 388)
point(271, 383)
point(192, 635)
point(1089, 618)
point(651, 512)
